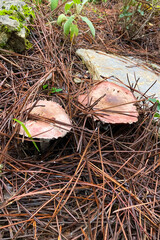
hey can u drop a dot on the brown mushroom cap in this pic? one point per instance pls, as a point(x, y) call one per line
point(115, 104)
point(45, 130)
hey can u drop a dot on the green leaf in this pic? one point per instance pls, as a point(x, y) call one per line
point(157, 115)
point(27, 132)
point(121, 15)
point(158, 107)
point(45, 86)
point(153, 100)
point(68, 6)
point(56, 90)
point(141, 12)
point(54, 4)
point(67, 25)
point(73, 31)
point(77, 1)
point(61, 18)
point(89, 23)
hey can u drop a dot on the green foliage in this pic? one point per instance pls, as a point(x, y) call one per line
point(70, 23)
point(45, 86)
point(54, 4)
point(61, 18)
point(89, 23)
point(135, 15)
point(154, 4)
point(153, 100)
point(27, 11)
point(74, 31)
point(27, 132)
point(53, 89)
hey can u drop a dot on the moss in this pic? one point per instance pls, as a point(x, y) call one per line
point(28, 45)
point(27, 29)
point(5, 29)
point(28, 11)
point(6, 12)
point(21, 15)
point(20, 27)
point(18, 17)
point(13, 7)
point(15, 13)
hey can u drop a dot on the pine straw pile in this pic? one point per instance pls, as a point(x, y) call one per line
point(95, 183)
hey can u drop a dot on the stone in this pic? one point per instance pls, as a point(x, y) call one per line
point(14, 16)
point(102, 65)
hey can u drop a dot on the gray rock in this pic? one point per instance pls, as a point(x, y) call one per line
point(112, 66)
point(14, 16)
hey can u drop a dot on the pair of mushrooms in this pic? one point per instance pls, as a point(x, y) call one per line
point(110, 104)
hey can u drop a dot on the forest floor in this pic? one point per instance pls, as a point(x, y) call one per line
point(95, 183)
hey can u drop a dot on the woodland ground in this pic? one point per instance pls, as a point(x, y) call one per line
point(95, 183)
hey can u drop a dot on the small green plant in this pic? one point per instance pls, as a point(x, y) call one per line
point(153, 100)
point(27, 132)
point(135, 15)
point(70, 23)
point(45, 86)
point(53, 89)
point(130, 12)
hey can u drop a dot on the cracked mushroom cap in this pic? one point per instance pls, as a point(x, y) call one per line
point(46, 130)
point(111, 103)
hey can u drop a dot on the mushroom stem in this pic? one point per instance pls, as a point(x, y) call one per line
point(44, 144)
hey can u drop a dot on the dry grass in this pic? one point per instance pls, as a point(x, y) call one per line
point(95, 183)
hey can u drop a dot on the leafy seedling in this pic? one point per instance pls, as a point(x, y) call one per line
point(153, 100)
point(70, 23)
point(27, 132)
point(55, 90)
point(45, 86)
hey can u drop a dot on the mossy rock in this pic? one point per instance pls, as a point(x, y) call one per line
point(14, 16)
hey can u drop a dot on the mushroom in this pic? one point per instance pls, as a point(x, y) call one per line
point(58, 126)
point(111, 103)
